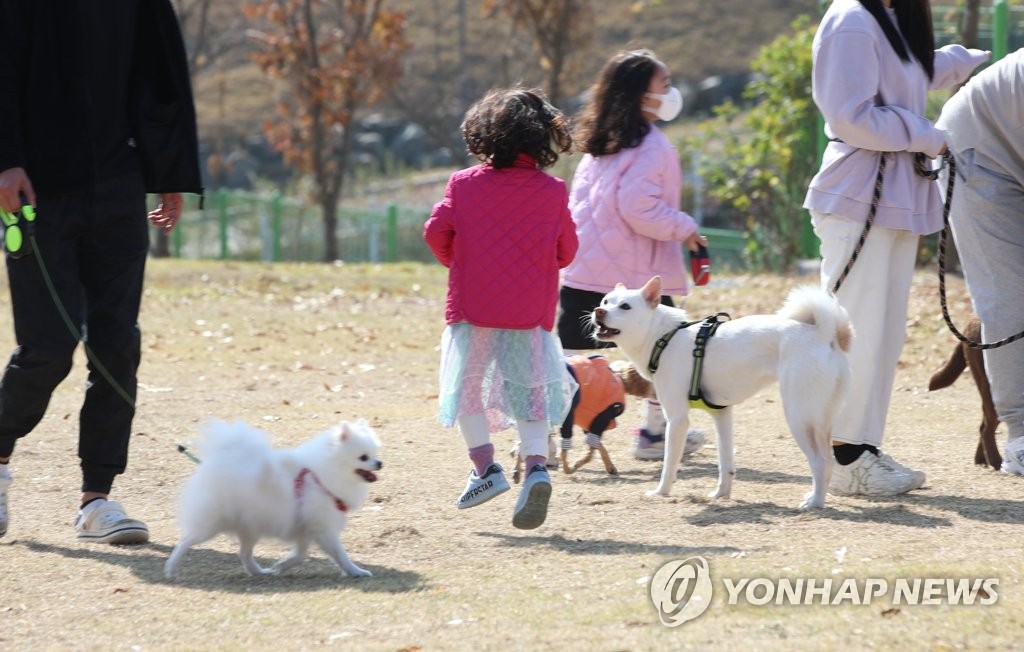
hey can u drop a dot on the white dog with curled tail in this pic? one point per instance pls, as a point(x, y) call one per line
point(244, 487)
point(803, 346)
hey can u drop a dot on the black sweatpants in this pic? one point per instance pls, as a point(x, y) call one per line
point(94, 248)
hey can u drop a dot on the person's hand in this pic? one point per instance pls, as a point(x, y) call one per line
point(13, 184)
point(167, 214)
point(695, 241)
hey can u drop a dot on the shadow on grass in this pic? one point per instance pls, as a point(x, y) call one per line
point(220, 571)
point(687, 471)
point(602, 546)
point(732, 512)
point(895, 510)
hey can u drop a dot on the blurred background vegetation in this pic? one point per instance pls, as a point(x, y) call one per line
point(385, 94)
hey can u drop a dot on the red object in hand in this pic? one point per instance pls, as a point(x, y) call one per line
point(700, 265)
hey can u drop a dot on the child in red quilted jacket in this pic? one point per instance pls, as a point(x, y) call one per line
point(504, 231)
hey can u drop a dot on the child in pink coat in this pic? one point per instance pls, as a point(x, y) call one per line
point(625, 199)
point(504, 231)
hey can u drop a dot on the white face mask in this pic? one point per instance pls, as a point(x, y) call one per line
point(671, 104)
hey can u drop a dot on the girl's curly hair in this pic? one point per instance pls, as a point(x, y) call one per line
point(612, 119)
point(509, 122)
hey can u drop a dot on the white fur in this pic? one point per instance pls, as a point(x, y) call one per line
point(246, 488)
point(802, 347)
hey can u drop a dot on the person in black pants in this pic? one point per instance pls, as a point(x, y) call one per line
point(96, 111)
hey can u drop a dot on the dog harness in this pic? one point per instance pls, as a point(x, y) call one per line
point(708, 326)
point(300, 482)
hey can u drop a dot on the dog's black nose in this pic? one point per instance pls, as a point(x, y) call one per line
point(379, 464)
point(600, 312)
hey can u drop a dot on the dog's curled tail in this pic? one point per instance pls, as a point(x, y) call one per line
point(812, 305)
point(217, 435)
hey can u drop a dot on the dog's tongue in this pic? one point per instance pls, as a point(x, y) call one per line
point(369, 476)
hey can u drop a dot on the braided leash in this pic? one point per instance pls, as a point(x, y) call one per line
point(867, 224)
point(942, 271)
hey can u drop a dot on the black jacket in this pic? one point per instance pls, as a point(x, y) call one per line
point(44, 113)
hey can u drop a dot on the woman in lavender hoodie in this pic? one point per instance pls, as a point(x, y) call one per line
point(625, 200)
point(874, 62)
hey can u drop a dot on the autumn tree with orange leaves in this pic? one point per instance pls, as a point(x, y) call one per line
point(335, 58)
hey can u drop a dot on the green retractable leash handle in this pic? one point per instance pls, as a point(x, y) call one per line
point(19, 227)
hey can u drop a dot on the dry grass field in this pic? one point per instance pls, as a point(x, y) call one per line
point(296, 348)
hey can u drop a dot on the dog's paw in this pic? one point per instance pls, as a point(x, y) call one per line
point(356, 571)
point(172, 569)
point(718, 493)
point(656, 492)
point(810, 501)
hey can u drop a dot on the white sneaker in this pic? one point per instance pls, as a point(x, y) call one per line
point(694, 441)
point(5, 482)
point(1013, 461)
point(918, 476)
point(480, 489)
point(104, 521)
point(870, 475)
point(532, 504)
point(652, 447)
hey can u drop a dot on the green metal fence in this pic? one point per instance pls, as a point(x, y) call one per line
point(237, 225)
point(251, 226)
point(1000, 26)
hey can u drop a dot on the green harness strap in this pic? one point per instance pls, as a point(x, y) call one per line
point(707, 329)
point(708, 326)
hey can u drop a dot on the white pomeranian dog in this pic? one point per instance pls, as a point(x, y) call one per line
point(246, 488)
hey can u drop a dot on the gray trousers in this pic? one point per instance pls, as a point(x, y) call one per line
point(987, 216)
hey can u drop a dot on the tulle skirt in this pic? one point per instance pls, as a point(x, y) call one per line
point(506, 374)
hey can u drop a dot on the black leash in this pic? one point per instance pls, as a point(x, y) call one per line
point(942, 271)
point(867, 224)
point(923, 170)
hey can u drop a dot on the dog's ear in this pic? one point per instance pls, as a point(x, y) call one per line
point(344, 431)
point(651, 292)
point(620, 287)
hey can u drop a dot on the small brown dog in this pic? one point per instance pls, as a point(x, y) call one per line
point(600, 398)
point(964, 356)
